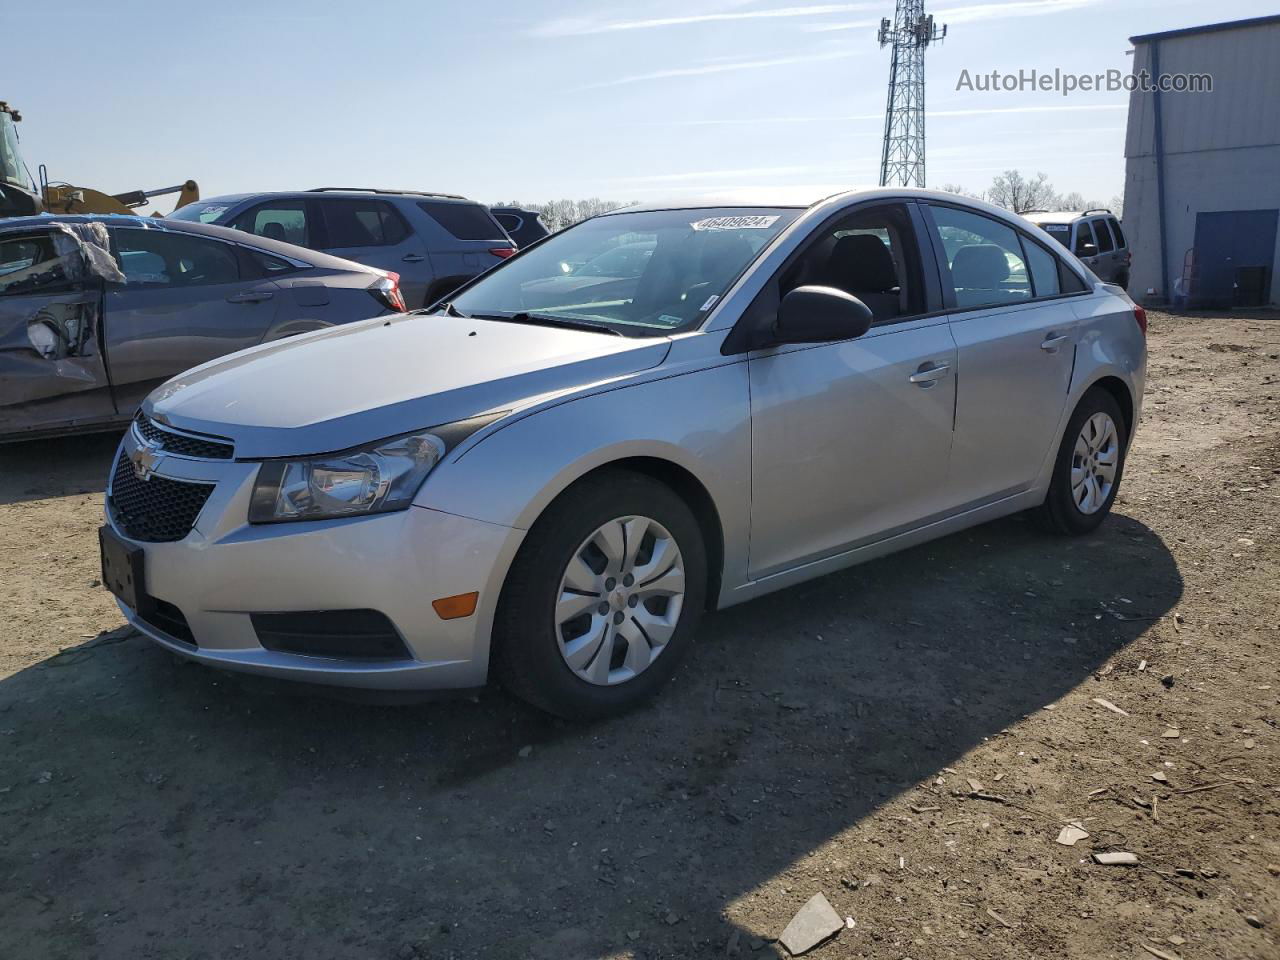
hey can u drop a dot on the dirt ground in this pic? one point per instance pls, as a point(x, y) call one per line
point(907, 738)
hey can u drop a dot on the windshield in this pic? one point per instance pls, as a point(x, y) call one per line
point(10, 158)
point(656, 271)
point(202, 211)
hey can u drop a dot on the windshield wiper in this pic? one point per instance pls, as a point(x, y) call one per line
point(546, 320)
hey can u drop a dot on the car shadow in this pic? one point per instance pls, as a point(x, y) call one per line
point(153, 802)
point(57, 467)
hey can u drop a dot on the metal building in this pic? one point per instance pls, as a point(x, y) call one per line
point(1202, 180)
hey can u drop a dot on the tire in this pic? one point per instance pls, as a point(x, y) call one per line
point(1080, 509)
point(1122, 280)
point(536, 630)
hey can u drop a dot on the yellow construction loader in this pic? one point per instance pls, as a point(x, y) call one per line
point(19, 196)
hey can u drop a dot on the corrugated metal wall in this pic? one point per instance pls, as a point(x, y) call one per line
point(1221, 149)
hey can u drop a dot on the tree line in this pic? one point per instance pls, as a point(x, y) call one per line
point(1021, 193)
point(1012, 190)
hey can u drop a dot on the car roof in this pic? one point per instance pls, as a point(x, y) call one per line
point(1064, 216)
point(233, 198)
point(793, 200)
point(289, 251)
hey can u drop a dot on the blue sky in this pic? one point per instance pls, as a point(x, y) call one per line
point(543, 99)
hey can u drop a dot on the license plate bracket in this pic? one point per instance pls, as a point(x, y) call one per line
point(123, 570)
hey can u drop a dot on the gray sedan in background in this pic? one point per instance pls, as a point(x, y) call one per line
point(553, 494)
point(97, 311)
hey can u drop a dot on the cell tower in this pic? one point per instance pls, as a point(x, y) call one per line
point(909, 33)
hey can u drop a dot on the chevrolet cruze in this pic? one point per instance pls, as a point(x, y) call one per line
point(551, 489)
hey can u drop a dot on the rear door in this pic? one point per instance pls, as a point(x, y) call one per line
point(186, 299)
point(373, 232)
point(1015, 333)
point(461, 237)
point(51, 369)
point(1108, 257)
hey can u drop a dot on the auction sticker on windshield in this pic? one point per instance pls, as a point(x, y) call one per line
point(734, 223)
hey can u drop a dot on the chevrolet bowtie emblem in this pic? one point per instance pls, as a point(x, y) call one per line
point(145, 459)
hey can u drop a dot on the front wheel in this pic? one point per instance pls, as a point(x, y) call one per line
point(1089, 466)
point(603, 598)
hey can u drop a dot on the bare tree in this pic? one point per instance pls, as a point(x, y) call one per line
point(960, 191)
point(1117, 206)
point(1019, 193)
point(558, 214)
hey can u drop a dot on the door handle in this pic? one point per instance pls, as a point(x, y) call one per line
point(1054, 341)
point(413, 258)
point(930, 373)
point(250, 296)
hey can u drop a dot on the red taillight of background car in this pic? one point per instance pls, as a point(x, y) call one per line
point(386, 290)
point(503, 252)
point(1140, 315)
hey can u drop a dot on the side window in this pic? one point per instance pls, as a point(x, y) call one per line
point(509, 221)
point(465, 221)
point(360, 223)
point(1083, 236)
point(871, 255)
point(1115, 228)
point(1104, 236)
point(157, 258)
point(284, 220)
point(1069, 280)
point(984, 258)
point(31, 264)
point(1044, 269)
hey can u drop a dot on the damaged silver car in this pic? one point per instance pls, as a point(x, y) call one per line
point(97, 311)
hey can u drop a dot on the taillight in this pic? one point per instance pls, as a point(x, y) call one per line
point(1140, 315)
point(386, 290)
point(503, 252)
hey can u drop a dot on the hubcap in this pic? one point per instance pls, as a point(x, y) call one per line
point(1094, 463)
point(619, 600)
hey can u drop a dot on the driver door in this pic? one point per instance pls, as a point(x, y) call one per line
point(851, 440)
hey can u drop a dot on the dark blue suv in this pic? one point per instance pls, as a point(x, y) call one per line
point(434, 241)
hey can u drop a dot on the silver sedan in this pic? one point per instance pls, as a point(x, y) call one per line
point(549, 482)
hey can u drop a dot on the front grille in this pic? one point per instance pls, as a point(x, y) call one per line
point(155, 510)
point(182, 444)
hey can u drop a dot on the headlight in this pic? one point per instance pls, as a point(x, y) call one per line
point(381, 477)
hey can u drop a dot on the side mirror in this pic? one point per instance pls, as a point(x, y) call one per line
point(1087, 250)
point(820, 315)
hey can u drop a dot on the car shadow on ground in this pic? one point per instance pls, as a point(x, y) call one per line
point(40, 469)
point(156, 805)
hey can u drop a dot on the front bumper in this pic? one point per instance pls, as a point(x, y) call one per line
point(224, 570)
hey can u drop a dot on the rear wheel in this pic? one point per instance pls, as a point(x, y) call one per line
point(1089, 466)
point(603, 598)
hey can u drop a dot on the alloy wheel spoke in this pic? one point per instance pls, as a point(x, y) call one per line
point(574, 605)
point(635, 529)
point(658, 629)
point(611, 539)
point(664, 555)
point(582, 651)
point(665, 584)
point(639, 654)
point(580, 577)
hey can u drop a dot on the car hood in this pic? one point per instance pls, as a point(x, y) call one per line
point(348, 385)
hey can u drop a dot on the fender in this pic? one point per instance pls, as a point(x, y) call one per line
point(512, 474)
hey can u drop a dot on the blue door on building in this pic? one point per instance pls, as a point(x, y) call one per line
point(1234, 246)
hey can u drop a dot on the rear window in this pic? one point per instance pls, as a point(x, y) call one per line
point(202, 211)
point(465, 221)
point(1059, 231)
point(361, 223)
point(1115, 228)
